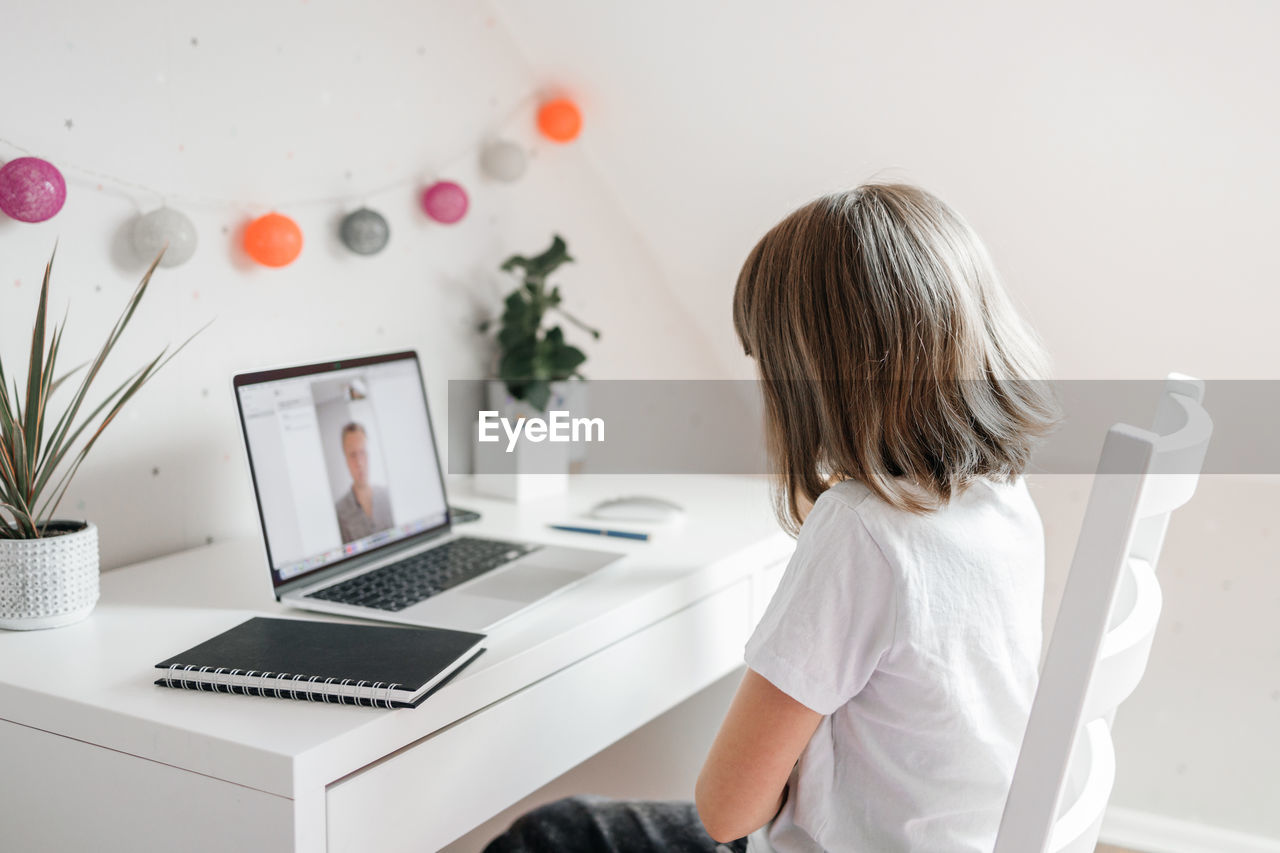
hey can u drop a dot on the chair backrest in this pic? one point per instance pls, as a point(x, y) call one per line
point(1105, 625)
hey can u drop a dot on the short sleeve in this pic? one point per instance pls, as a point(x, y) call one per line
point(833, 615)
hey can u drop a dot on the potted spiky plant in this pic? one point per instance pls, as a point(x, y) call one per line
point(536, 367)
point(49, 566)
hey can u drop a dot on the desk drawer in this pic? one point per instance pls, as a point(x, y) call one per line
point(426, 795)
point(59, 793)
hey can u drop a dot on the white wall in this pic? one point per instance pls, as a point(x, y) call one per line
point(1118, 158)
point(279, 102)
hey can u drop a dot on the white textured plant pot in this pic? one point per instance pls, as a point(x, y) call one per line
point(48, 582)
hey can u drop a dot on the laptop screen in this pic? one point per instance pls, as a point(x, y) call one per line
point(343, 459)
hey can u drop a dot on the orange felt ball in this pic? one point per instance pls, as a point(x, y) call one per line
point(560, 120)
point(273, 240)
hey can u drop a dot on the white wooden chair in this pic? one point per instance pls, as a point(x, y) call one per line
point(1105, 624)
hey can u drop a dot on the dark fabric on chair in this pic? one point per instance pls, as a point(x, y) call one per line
point(593, 824)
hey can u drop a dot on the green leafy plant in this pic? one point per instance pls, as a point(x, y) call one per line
point(531, 357)
point(36, 459)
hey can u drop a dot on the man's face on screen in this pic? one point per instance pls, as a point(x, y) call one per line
point(353, 447)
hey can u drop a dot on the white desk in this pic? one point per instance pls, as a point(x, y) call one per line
point(93, 756)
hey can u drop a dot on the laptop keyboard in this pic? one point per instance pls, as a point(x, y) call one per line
point(421, 576)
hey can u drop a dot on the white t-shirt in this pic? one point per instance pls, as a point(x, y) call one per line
point(918, 638)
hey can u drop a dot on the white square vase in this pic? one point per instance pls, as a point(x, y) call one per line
point(531, 470)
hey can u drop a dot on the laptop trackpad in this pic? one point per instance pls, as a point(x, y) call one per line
point(522, 583)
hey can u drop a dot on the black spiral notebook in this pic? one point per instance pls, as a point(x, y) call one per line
point(384, 667)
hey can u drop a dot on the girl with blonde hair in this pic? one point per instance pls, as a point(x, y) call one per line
point(890, 679)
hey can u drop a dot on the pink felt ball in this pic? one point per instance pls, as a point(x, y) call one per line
point(31, 189)
point(445, 201)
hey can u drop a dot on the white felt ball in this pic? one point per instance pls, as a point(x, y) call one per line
point(503, 160)
point(152, 230)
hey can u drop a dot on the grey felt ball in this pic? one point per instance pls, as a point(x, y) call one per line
point(165, 225)
point(365, 232)
point(503, 160)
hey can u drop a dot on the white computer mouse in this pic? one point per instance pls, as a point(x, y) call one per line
point(636, 508)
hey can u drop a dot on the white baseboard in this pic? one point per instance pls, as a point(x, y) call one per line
point(1152, 833)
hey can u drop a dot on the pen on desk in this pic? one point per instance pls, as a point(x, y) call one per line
point(600, 531)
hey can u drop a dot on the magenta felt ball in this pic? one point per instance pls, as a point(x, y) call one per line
point(445, 201)
point(31, 189)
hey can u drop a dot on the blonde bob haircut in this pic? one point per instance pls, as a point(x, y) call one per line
point(888, 351)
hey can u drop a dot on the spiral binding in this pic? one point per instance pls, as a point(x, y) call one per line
point(378, 693)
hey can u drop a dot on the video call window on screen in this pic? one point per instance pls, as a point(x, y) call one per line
point(344, 461)
point(353, 460)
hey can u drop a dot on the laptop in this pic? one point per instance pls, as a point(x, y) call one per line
point(353, 506)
